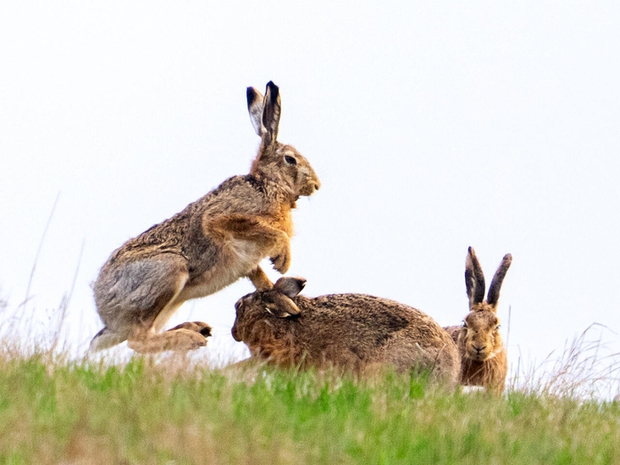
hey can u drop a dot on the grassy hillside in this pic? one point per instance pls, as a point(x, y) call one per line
point(168, 410)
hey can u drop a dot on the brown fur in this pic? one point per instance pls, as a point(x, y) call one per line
point(352, 332)
point(210, 244)
point(484, 361)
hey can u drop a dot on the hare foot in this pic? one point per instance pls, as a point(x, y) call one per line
point(184, 337)
point(197, 326)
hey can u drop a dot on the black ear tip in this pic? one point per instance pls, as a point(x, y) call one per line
point(273, 90)
point(250, 94)
point(301, 282)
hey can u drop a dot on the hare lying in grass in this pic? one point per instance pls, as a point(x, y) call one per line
point(210, 244)
point(483, 354)
point(354, 332)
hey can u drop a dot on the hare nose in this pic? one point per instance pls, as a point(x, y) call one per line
point(479, 349)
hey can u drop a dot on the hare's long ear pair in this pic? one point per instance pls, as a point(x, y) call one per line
point(474, 279)
point(282, 294)
point(265, 112)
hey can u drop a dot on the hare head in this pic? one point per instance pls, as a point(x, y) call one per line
point(480, 331)
point(277, 301)
point(275, 161)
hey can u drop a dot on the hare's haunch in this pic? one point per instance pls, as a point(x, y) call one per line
point(210, 244)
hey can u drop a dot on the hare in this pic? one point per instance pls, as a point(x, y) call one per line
point(483, 355)
point(212, 243)
point(352, 332)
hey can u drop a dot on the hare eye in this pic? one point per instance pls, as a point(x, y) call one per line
point(464, 324)
point(290, 160)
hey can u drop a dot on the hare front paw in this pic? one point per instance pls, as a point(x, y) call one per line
point(282, 261)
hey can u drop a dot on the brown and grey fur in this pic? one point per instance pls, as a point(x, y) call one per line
point(210, 244)
point(483, 355)
point(354, 332)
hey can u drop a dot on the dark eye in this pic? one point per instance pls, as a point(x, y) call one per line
point(290, 160)
point(498, 326)
point(464, 324)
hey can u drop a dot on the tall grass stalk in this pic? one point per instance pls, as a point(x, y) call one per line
point(585, 369)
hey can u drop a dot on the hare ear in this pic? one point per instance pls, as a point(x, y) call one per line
point(474, 278)
point(271, 113)
point(255, 108)
point(289, 286)
point(498, 279)
point(283, 307)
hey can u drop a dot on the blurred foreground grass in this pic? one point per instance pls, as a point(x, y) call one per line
point(172, 411)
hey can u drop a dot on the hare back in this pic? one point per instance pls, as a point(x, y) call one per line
point(248, 196)
point(190, 233)
point(221, 235)
point(354, 331)
point(377, 318)
point(454, 332)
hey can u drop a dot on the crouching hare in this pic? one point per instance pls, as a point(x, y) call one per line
point(210, 244)
point(354, 332)
point(483, 355)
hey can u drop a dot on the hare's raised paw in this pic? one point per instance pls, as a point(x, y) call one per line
point(281, 262)
point(197, 326)
point(260, 280)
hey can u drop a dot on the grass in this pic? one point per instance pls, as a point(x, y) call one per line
point(172, 411)
point(586, 369)
point(59, 409)
point(56, 409)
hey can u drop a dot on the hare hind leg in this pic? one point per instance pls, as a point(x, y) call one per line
point(181, 338)
point(190, 335)
point(171, 306)
point(176, 339)
point(184, 337)
point(105, 339)
point(131, 296)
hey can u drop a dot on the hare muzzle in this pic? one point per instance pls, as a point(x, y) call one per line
point(311, 184)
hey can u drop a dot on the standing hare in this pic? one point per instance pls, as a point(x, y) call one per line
point(353, 332)
point(210, 244)
point(483, 354)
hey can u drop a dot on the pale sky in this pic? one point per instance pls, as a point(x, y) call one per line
point(432, 125)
